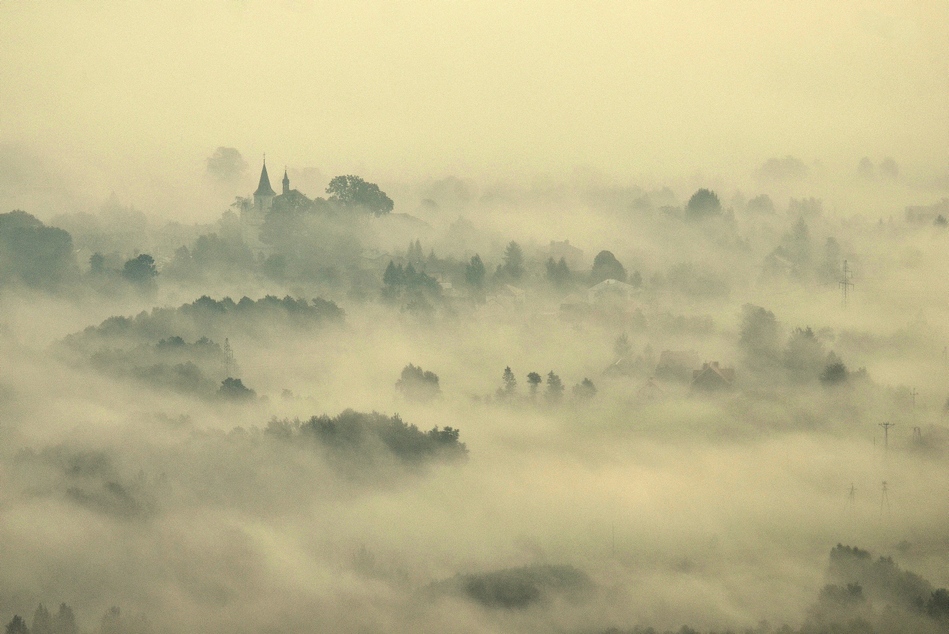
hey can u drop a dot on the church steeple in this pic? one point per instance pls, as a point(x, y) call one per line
point(264, 188)
point(265, 193)
point(286, 182)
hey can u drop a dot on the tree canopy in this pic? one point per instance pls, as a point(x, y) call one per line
point(703, 204)
point(606, 267)
point(353, 191)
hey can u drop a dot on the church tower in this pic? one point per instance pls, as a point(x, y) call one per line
point(264, 195)
point(286, 182)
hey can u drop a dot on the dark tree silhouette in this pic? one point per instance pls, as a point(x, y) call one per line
point(353, 191)
point(510, 383)
point(65, 621)
point(42, 621)
point(17, 625)
point(418, 384)
point(140, 270)
point(533, 381)
point(554, 388)
point(234, 390)
point(760, 338)
point(558, 273)
point(703, 204)
point(474, 272)
point(835, 371)
point(585, 390)
point(606, 267)
point(513, 261)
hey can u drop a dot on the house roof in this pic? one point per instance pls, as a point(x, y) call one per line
point(712, 373)
point(612, 284)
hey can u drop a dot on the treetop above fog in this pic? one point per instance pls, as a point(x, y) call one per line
point(703, 204)
point(353, 191)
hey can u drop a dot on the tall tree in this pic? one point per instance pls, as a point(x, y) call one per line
point(353, 191)
point(474, 272)
point(17, 625)
point(533, 381)
point(42, 621)
point(554, 388)
point(513, 261)
point(65, 621)
point(510, 383)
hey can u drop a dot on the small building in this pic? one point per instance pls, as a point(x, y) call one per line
point(611, 292)
point(713, 378)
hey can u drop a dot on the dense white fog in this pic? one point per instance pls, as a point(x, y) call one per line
point(569, 318)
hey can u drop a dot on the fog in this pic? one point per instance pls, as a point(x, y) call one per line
point(626, 316)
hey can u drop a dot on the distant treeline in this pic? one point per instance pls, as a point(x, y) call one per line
point(352, 432)
point(64, 621)
point(154, 347)
point(209, 317)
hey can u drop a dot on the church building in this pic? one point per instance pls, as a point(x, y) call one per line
point(265, 199)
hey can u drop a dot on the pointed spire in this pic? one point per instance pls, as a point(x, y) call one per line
point(264, 188)
point(286, 181)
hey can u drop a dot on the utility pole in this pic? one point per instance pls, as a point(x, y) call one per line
point(884, 501)
point(845, 283)
point(852, 496)
point(886, 438)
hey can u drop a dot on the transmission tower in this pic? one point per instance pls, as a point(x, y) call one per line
point(228, 358)
point(886, 434)
point(845, 283)
point(884, 501)
point(852, 495)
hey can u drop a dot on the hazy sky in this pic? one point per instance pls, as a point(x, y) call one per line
point(421, 89)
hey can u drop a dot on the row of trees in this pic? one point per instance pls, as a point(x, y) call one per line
point(553, 393)
point(511, 270)
point(64, 622)
point(422, 385)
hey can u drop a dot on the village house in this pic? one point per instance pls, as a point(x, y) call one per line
point(713, 378)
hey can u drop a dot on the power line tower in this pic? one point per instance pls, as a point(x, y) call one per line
point(884, 501)
point(845, 283)
point(886, 434)
point(852, 495)
point(228, 359)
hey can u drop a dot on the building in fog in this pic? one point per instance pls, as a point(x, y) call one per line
point(254, 210)
point(713, 378)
